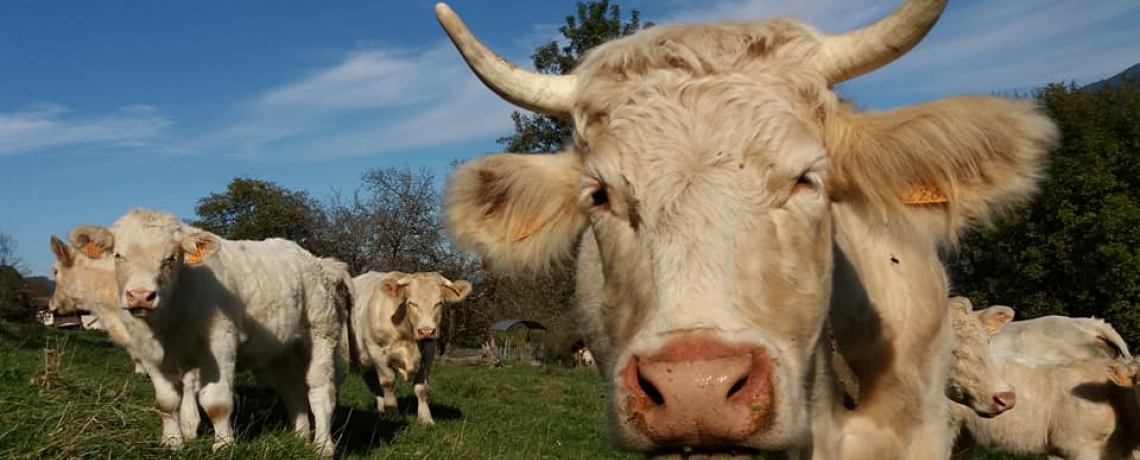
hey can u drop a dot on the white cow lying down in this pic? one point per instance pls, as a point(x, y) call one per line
point(1072, 409)
point(1061, 338)
point(394, 325)
point(207, 305)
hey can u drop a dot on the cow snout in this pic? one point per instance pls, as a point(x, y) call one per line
point(700, 392)
point(140, 298)
point(424, 333)
point(1004, 401)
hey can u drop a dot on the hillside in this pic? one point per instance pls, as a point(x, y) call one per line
point(1131, 72)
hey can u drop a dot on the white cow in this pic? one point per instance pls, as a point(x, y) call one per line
point(975, 379)
point(395, 323)
point(207, 305)
point(1061, 338)
point(1074, 410)
point(724, 202)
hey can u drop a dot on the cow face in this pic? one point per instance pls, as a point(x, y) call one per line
point(81, 282)
point(698, 190)
point(975, 381)
point(421, 297)
point(149, 250)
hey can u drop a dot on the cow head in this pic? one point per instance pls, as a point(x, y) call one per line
point(421, 297)
point(149, 249)
point(81, 282)
point(698, 188)
point(975, 381)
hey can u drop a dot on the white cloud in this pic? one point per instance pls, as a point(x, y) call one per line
point(45, 125)
point(373, 101)
point(978, 46)
point(381, 99)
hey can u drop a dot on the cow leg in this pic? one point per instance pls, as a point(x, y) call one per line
point(167, 398)
point(321, 379)
point(216, 394)
point(427, 355)
point(189, 417)
point(386, 397)
point(139, 369)
point(286, 378)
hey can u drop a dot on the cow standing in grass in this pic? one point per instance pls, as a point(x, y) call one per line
point(395, 323)
point(208, 305)
point(724, 203)
point(85, 282)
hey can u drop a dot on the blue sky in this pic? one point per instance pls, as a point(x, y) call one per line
point(112, 104)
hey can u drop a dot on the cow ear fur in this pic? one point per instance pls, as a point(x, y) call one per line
point(199, 245)
point(993, 318)
point(945, 165)
point(62, 252)
point(95, 241)
point(1121, 373)
point(521, 212)
point(456, 291)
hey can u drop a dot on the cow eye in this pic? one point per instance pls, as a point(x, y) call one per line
point(803, 183)
point(600, 197)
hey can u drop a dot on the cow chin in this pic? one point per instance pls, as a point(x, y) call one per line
point(706, 392)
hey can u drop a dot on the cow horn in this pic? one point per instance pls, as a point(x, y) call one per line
point(549, 94)
point(404, 281)
point(846, 56)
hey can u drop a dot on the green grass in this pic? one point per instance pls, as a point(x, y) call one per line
point(94, 406)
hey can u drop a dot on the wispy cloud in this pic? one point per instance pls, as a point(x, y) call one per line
point(978, 46)
point(45, 125)
point(372, 101)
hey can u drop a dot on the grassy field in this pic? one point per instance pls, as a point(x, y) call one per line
point(84, 401)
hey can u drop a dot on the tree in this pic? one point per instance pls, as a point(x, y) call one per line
point(8, 255)
point(1076, 250)
point(392, 222)
point(596, 23)
point(15, 304)
point(252, 209)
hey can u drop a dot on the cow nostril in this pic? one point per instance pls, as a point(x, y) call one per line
point(736, 387)
point(650, 390)
point(151, 296)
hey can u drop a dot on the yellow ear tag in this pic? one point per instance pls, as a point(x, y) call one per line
point(920, 194)
point(92, 250)
point(194, 257)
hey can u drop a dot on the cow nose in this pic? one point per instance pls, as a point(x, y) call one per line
point(426, 332)
point(698, 391)
point(1004, 401)
point(140, 298)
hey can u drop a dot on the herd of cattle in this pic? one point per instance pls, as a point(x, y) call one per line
point(736, 226)
point(192, 309)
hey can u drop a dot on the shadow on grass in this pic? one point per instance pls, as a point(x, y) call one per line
point(258, 411)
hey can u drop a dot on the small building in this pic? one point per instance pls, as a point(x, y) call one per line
point(520, 340)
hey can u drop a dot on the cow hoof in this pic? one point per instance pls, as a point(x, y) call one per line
point(172, 443)
point(223, 444)
point(326, 450)
point(426, 421)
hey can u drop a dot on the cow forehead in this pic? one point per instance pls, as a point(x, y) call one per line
point(150, 233)
point(425, 286)
point(737, 135)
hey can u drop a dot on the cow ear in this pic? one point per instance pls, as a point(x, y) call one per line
point(520, 212)
point(94, 240)
point(1122, 373)
point(962, 304)
point(946, 164)
point(394, 285)
point(993, 318)
point(199, 245)
point(62, 252)
point(454, 291)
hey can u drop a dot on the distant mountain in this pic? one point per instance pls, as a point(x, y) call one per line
point(1131, 72)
